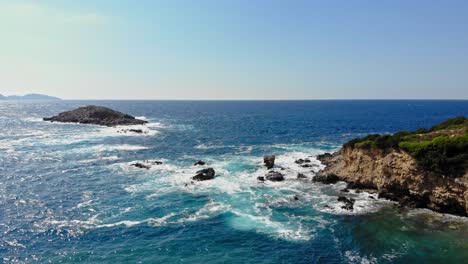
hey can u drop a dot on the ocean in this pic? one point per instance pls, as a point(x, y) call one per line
point(68, 193)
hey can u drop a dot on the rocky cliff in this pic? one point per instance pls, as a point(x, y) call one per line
point(399, 174)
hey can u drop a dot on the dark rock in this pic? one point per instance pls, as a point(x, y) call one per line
point(349, 203)
point(326, 178)
point(302, 161)
point(141, 165)
point(97, 115)
point(296, 197)
point(261, 178)
point(201, 163)
point(205, 174)
point(301, 176)
point(125, 131)
point(138, 131)
point(154, 162)
point(345, 190)
point(306, 166)
point(275, 176)
point(269, 161)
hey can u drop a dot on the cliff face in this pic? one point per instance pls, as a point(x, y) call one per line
point(395, 175)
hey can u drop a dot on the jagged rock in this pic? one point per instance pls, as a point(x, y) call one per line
point(326, 178)
point(154, 162)
point(296, 197)
point(205, 174)
point(269, 161)
point(349, 203)
point(261, 178)
point(307, 166)
point(199, 163)
point(274, 176)
point(301, 176)
point(97, 115)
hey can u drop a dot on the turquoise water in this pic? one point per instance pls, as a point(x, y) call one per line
point(69, 195)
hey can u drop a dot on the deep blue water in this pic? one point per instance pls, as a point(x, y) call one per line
point(69, 195)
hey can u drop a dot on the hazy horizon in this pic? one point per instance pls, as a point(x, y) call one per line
point(223, 50)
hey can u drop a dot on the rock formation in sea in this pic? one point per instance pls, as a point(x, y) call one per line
point(97, 115)
point(205, 174)
point(269, 161)
point(427, 168)
point(274, 176)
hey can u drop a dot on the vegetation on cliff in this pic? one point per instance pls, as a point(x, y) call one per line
point(443, 149)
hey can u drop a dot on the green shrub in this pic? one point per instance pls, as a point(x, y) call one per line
point(443, 154)
point(451, 123)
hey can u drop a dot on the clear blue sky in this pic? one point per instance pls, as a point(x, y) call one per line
point(234, 49)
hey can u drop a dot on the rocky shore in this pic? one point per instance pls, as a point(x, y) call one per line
point(96, 115)
point(398, 173)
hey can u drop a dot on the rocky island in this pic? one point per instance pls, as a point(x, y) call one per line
point(427, 168)
point(97, 115)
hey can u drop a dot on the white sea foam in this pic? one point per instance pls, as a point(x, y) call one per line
point(237, 190)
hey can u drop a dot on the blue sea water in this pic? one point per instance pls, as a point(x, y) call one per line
point(69, 195)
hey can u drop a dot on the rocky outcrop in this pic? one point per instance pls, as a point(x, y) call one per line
point(327, 178)
point(269, 161)
point(97, 115)
point(274, 176)
point(396, 176)
point(205, 174)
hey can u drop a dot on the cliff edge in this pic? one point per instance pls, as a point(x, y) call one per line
point(424, 168)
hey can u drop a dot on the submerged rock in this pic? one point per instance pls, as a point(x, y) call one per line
point(349, 202)
point(146, 164)
point(302, 161)
point(199, 163)
point(261, 178)
point(301, 176)
point(274, 176)
point(205, 174)
point(269, 161)
point(97, 115)
point(141, 165)
point(154, 162)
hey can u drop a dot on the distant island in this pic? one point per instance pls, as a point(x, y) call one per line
point(426, 168)
point(97, 115)
point(32, 96)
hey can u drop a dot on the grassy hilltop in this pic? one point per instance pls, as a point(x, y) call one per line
point(442, 149)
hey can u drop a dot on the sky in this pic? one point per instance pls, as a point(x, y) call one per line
point(235, 49)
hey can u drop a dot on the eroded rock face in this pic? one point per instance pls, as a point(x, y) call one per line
point(97, 115)
point(269, 161)
point(396, 176)
point(205, 174)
